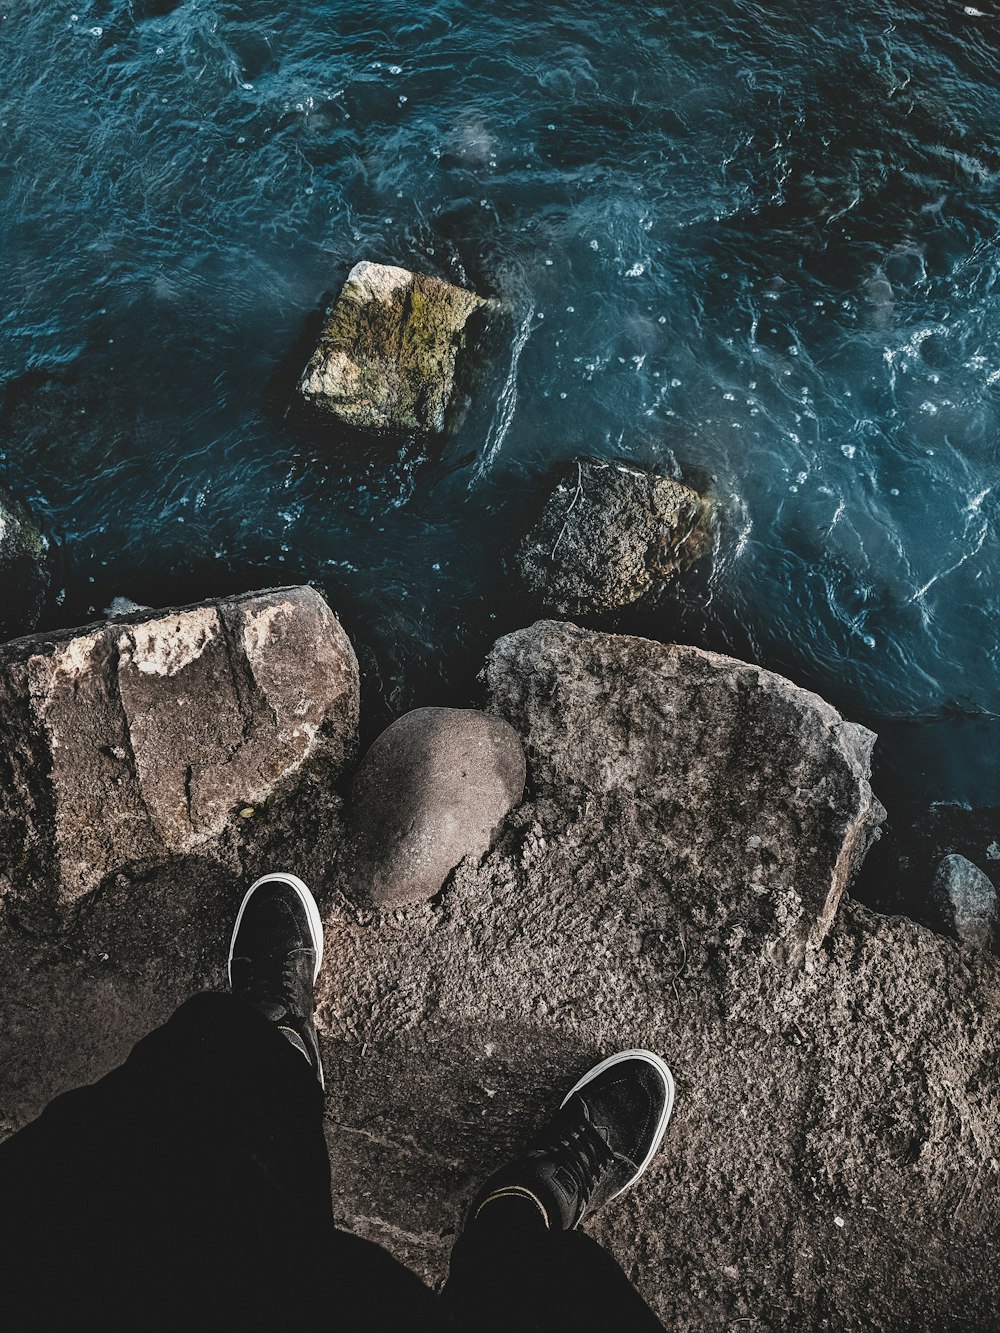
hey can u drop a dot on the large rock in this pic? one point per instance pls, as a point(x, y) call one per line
point(761, 787)
point(386, 358)
point(611, 535)
point(23, 570)
point(434, 788)
point(832, 1159)
point(671, 882)
point(126, 744)
point(965, 901)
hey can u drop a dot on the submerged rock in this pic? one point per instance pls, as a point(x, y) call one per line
point(386, 358)
point(433, 789)
point(22, 568)
point(611, 535)
point(965, 901)
point(124, 745)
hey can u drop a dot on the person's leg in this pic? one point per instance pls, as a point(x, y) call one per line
point(520, 1261)
point(191, 1186)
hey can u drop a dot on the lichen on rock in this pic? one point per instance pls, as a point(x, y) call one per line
point(387, 356)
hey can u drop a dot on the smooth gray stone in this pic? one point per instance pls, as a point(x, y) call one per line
point(965, 901)
point(432, 790)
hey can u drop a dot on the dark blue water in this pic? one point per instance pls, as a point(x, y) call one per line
point(756, 245)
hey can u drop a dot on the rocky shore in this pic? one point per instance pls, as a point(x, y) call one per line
point(676, 874)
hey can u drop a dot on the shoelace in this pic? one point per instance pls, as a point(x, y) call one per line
point(265, 987)
point(583, 1155)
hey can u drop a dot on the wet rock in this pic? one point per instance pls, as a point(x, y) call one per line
point(119, 607)
point(125, 744)
point(610, 536)
point(965, 901)
point(387, 356)
point(22, 569)
point(434, 788)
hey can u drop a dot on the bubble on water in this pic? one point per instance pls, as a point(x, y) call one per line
point(729, 397)
point(662, 319)
point(929, 407)
point(548, 263)
point(675, 383)
point(848, 450)
point(869, 642)
point(974, 13)
point(894, 490)
point(562, 395)
point(160, 51)
point(594, 245)
point(571, 310)
point(395, 69)
point(97, 32)
point(636, 271)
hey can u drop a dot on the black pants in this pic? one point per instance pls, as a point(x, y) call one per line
point(190, 1189)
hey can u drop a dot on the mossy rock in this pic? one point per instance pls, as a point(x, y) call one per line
point(387, 355)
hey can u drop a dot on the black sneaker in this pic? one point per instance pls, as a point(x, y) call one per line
point(598, 1143)
point(275, 957)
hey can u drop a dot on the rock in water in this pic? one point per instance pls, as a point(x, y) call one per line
point(22, 566)
point(433, 789)
point(610, 536)
point(965, 901)
point(386, 358)
point(124, 745)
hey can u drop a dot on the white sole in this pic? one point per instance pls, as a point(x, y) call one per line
point(308, 902)
point(668, 1081)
